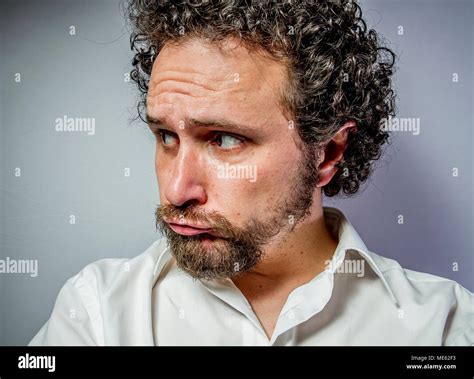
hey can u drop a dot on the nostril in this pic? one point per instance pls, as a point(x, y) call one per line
point(188, 204)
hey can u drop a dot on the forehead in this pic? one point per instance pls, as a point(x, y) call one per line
point(224, 74)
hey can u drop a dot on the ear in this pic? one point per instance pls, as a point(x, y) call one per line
point(333, 153)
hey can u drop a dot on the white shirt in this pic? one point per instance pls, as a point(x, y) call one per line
point(361, 299)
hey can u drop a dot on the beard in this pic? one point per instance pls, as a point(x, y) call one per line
point(232, 250)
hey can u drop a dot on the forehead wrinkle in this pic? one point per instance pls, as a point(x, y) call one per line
point(214, 83)
point(255, 70)
point(181, 76)
point(177, 81)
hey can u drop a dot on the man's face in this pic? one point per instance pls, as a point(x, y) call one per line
point(228, 160)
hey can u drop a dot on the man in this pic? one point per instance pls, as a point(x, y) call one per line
point(258, 110)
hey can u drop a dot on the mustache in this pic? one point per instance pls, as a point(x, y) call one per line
point(213, 220)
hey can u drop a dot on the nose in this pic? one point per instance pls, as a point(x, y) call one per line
point(186, 181)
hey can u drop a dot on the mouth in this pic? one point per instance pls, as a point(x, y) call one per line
point(187, 230)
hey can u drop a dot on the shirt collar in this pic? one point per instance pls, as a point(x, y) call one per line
point(349, 239)
point(340, 227)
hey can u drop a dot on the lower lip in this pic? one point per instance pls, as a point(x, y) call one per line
point(187, 230)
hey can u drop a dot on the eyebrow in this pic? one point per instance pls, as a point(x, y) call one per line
point(223, 124)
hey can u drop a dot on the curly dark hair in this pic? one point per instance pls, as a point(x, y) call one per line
point(338, 70)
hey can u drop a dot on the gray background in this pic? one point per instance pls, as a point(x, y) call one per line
point(73, 173)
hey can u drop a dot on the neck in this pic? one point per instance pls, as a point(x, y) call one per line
point(291, 260)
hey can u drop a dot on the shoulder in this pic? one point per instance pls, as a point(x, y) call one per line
point(403, 279)
point(108, 283)
point(89, 302)
point(109, 272)
point(426, 296)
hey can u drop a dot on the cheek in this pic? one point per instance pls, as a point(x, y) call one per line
point(275, 179)
point(161, 176)
point(242, 198)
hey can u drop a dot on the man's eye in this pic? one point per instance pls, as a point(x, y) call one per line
point(166, 139)
point(226, 141)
